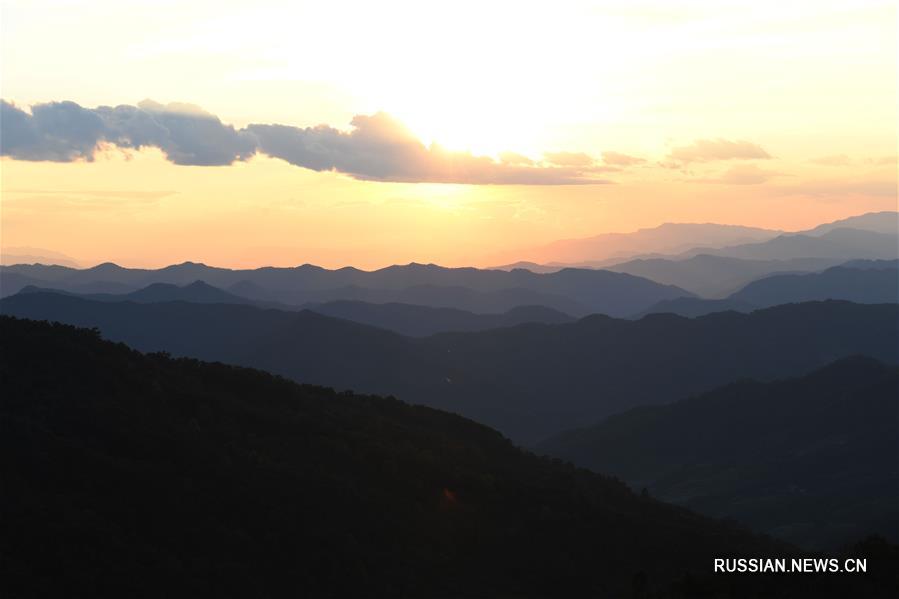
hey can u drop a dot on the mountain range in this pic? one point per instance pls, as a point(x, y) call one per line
point(861, 281)
point(716, 277)
point(684, 240)
point(667, 238)
point(810, 459)
point(198, 292)
point(572, 291)
point(841, 243)
point(131, 475)
point(718, 261)
point(421, 321)
point(503, 377)
point(716, 270)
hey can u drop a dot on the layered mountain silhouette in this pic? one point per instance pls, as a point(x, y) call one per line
point(668, 238)
point(692, 307)
point(864, 285)
point(421, 321)
point(878, 222)
point(131, 475)
point(716, 276)
point(197, 292)
point(679, 241)
point(572, 291)
point(530, 381)
point(861, 281)
point(877, 264)
point(838, 244)
point(809, 459)
point(30, 255)
point(868, 236)
point(407, 319)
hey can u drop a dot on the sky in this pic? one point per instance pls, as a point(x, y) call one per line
point(370, 133)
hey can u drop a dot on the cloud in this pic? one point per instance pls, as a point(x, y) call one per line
point(836, 160)
point(575, 159)
point(376, 148)
point(64, 131)
point(708, 150)
point(59, 131)
point(514, 158)
point(619, 159)
point(743, 174)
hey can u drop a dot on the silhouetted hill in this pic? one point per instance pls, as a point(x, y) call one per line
point(879, 222)
point(867, 286)
point(12, 283)
point(532, 266)
point(529, 381)
point(876, 264)
point(691, 307)
point(572, 291)
point(46, 277)
point(457, 297)
point(421, 321)
point(716, 276)
point(131, 475)
point(197, 292)
point(812, 460)
point(837, 244)
point(32, 255)
point(861, 281)
point(668, 238)
point(407, 319)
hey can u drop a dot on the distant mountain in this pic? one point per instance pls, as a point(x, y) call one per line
point(840, 244)
point(130, 475)
point(532, 266)
point(865, 282)
point(407, 319)
point(668, 238)
point(878, 222)
point(30, 255)
point(454, 297)
point(572, 291)
point(650, 251)
point(197, 292)
point(876, 264)
point(716, 276)
point(529, 381)
point(12, 283)
point(420, 321)
point(691, 307)
point(866, 286)
point(812, 460)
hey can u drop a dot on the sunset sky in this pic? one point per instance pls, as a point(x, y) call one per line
point(370, 133)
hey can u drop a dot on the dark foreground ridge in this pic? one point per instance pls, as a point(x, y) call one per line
point(810, 459)
point(132, 475)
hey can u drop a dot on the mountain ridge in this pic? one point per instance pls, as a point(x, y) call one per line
point(502, 377)
point(228, 481)
point(810, 458)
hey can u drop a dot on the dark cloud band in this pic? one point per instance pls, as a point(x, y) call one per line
point(377, 148)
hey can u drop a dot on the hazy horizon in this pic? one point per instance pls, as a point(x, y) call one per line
point(47, 255)
point(221, 142)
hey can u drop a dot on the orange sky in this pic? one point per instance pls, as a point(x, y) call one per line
point(781, 116)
